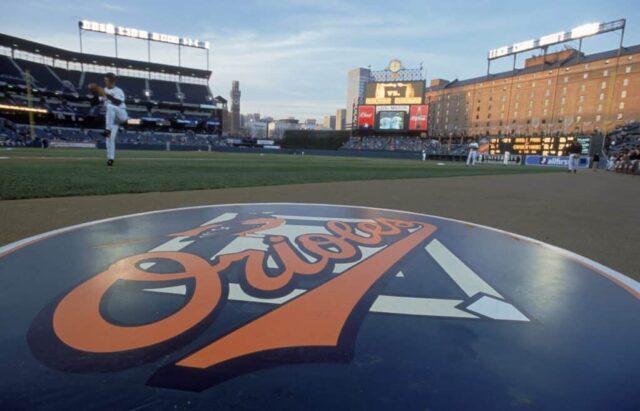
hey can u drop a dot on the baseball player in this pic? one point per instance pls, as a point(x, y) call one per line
point(574, 156)
point(115, 112)
point(507, 157)
point(424, 154)
point(473, 153)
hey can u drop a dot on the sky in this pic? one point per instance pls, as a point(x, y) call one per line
point(292, 56)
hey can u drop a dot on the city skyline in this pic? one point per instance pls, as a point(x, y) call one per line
point(292, 57)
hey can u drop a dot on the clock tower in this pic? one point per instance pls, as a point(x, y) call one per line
point(235, 106)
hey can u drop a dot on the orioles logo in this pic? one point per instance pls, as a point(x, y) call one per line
point(323, 278)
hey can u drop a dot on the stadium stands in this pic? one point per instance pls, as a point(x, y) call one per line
point(156, 94)
point(70, 79)
point(404, 143)
point(9, 72)
point(163, 90)
point(43, 77)
point(622, 147)
point(195, 93)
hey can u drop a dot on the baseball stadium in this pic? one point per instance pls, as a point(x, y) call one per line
point(443, 244)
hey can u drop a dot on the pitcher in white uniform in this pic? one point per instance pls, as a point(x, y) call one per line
point(115, 112)
point(473, 153)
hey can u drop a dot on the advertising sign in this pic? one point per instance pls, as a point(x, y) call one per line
point(418, 117)
point(366, 116)
point(555, 161)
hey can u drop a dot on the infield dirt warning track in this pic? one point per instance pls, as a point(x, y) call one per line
point(592, 214)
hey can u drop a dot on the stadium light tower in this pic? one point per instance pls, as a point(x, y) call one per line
point(577, 33)
point(110, 29)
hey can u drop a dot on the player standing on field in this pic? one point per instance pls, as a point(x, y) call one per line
point(115, 112)
point(507, 158)
point(574, 150)
point(473, 153)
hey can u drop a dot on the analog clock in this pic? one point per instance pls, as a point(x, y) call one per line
point(395, 66)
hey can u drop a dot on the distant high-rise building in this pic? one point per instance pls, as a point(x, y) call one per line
point(355, 91)
point(235, 106)
point(276, 129)
point(329, 122)
point(341, 119)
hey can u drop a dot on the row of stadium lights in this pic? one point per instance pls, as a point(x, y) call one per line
point(141, 34)
point(576, 33)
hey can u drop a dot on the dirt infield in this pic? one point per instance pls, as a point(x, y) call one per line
point(593, 214)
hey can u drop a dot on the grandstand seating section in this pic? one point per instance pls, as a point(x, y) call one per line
point(404, 143)
point(42, 77)
point(163, 90)
point(56, 79)
point(9, 72)
point(195, 93)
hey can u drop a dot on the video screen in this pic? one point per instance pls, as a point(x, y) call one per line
point(391, 120)
point(401, 92)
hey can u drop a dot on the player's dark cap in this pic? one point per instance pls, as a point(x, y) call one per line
point(110, 76)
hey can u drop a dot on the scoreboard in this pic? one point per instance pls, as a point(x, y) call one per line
point(390, 93)
point(543, 146)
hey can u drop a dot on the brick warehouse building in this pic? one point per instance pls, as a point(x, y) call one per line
point(563, 92)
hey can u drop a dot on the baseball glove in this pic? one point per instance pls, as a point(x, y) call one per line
point(95, 89)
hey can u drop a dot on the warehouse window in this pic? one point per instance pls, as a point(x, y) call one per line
point(566, 79)
point(622, 106)
point(601, 96)
point(619, 116)
point(585, 76)
point(623, 94)
point(605, 73)
point(599, 107)
point(583, 88)
point(625, 82)
point(603, 85)
point(582, 99)
point(627, 69)
point(598, 118)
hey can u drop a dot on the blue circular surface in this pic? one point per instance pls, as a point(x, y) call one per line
point(306, 306)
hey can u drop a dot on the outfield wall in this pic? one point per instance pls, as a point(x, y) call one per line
point(403, 155)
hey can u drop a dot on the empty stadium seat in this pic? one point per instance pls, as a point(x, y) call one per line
point(70, 78)
point(195, 93)
point(9, 72)
point(42, 76)
point(163, 90)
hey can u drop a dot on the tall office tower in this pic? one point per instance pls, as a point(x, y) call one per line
point(357, 79)
point(341, 119)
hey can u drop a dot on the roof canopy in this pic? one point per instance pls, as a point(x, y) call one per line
point(16, 43)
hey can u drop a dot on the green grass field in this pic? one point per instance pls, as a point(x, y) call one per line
point(36, 173)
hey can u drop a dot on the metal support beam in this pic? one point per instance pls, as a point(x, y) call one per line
point(579, 49)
